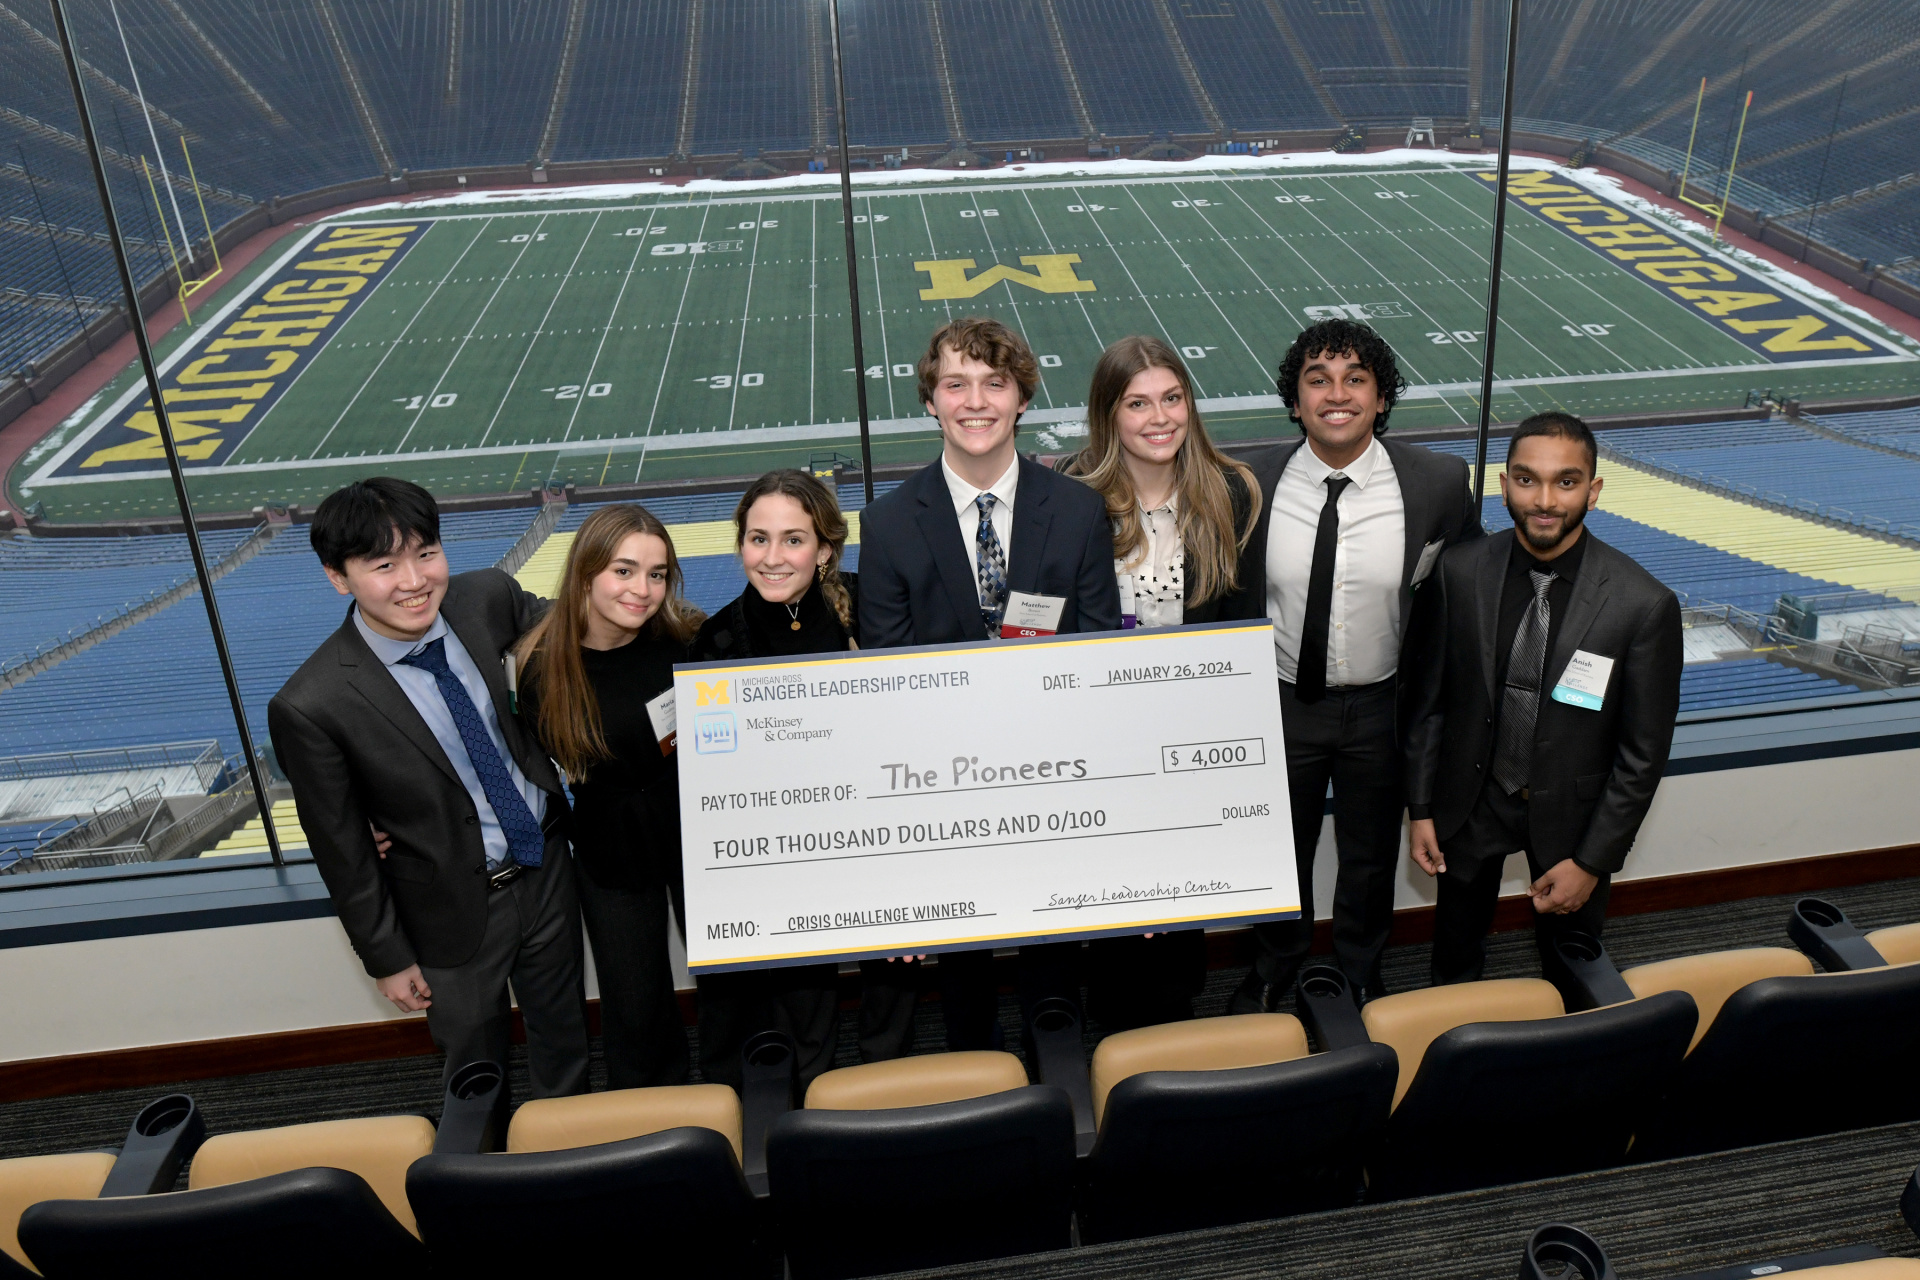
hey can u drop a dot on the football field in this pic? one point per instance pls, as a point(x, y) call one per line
point(607, 335)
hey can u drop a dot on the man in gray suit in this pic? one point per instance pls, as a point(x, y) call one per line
point(399, 729)
point(1544, 714)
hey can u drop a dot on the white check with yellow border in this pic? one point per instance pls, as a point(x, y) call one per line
point(952, 797)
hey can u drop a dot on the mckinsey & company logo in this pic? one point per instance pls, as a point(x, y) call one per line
point(714, 733)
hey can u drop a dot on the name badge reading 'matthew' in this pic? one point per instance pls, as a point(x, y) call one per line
point(873, 803)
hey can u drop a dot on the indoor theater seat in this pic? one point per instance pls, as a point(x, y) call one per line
point(660, 1165)
point(1784, 1052)
point(1899, 945)
point(1476, 1054)
point(327, 1198)
point(28, 1180)
point(1256, 1127)
point(922, 1162)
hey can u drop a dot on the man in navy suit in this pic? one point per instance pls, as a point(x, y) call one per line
point(940, 556)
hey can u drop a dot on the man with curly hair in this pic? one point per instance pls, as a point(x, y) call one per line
point(1350, 525)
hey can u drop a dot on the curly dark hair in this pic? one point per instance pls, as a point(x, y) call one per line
point(1349, 338)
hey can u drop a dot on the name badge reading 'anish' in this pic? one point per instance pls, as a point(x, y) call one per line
point(1584, 682)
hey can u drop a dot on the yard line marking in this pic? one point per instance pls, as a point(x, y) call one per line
point(397, 339)
point(1580, 280)
point(1448, 278)
point(1012, 301)
point(673, 334)
point(531, 240)
point(746, 313)
point(1138, 291)
point(749, 436)
point(933, 249)
point(1078, 298)
point(1188, 266)
point(880, 308)
point(539, 329)
point(594, 364)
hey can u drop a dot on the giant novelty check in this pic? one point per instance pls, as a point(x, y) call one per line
point(906, 801)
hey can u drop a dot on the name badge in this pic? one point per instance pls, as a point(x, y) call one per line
point(666, 723)
point(1429, 556)
point(1584, 682)
point(1128, 619)
point(1029, 615)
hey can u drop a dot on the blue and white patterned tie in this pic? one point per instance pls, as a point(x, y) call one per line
point(524, 840)
point(991, 562)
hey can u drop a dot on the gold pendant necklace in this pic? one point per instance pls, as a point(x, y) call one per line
point(793, 611)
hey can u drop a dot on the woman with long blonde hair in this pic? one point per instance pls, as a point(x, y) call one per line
point(791, 538)
point(1182, 511)
point(596, 682)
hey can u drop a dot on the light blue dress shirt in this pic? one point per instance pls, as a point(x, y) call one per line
point(424, 694)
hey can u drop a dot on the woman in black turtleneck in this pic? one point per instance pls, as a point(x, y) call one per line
point(596, 675)
point(790, 534)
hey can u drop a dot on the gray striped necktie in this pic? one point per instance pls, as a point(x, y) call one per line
point(1513, 756)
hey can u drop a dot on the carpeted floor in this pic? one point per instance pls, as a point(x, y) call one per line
point(411, 1085)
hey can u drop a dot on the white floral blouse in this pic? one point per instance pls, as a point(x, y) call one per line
point(1158, 573)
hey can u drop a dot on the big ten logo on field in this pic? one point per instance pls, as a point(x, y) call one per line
point(711, 695)
point(1757, 314)
point(714, 733)
point(1052, 273)
point(219, 388)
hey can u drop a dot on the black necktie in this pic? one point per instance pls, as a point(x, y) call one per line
point(1310, 672)
point(1520, 704)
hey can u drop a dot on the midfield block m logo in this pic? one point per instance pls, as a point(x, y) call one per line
point(1052, 273)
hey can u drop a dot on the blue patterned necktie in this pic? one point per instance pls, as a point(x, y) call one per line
point(524, 839)
point(991, 563)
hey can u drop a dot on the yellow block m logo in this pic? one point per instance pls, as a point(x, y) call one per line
point(1053, 273)
point(710, 695)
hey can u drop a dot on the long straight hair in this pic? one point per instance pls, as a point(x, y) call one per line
point(568, 723)
point(1208, 538)
point(829, 525)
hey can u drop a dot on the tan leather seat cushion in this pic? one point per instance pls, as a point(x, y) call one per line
point(1412, 1020)
point(1873, 1269)
point(1711, 978)
point(1206, 1044)
point(589, 1119)
point(917, 1082)
point(379, 1149)
point(31, 1179)
point(1900, 944)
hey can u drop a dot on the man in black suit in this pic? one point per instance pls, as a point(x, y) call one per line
point(940, 556)
point(1545, 712)
point(1350, 525)
point(399, 729)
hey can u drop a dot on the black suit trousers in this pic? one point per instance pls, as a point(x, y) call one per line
point(641, 1033)
point(532, 940)
point(1469, 890)
point(1346, 739)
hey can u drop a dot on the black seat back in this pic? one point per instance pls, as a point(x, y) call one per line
point(1248, 1143)
point(1603, 1071)
point(1794, 1056)
point(858, 1193)
point(679, 1191)
point(307, 1223)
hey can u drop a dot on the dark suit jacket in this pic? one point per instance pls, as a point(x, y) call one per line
point(1594, 772)
point(356, 752)
point(917, 582)
point(1437, 496)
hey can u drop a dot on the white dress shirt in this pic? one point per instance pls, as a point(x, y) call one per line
point(1369, 557)
point(964, 495)
point(424, 693)
point(1159, 569)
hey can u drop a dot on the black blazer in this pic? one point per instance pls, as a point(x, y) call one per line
point(1594, 772)
point(357, 752)
point(1230, 605)
point(917, 583)
point(1437, 494)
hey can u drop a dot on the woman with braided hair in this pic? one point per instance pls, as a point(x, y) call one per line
point(790, 535)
